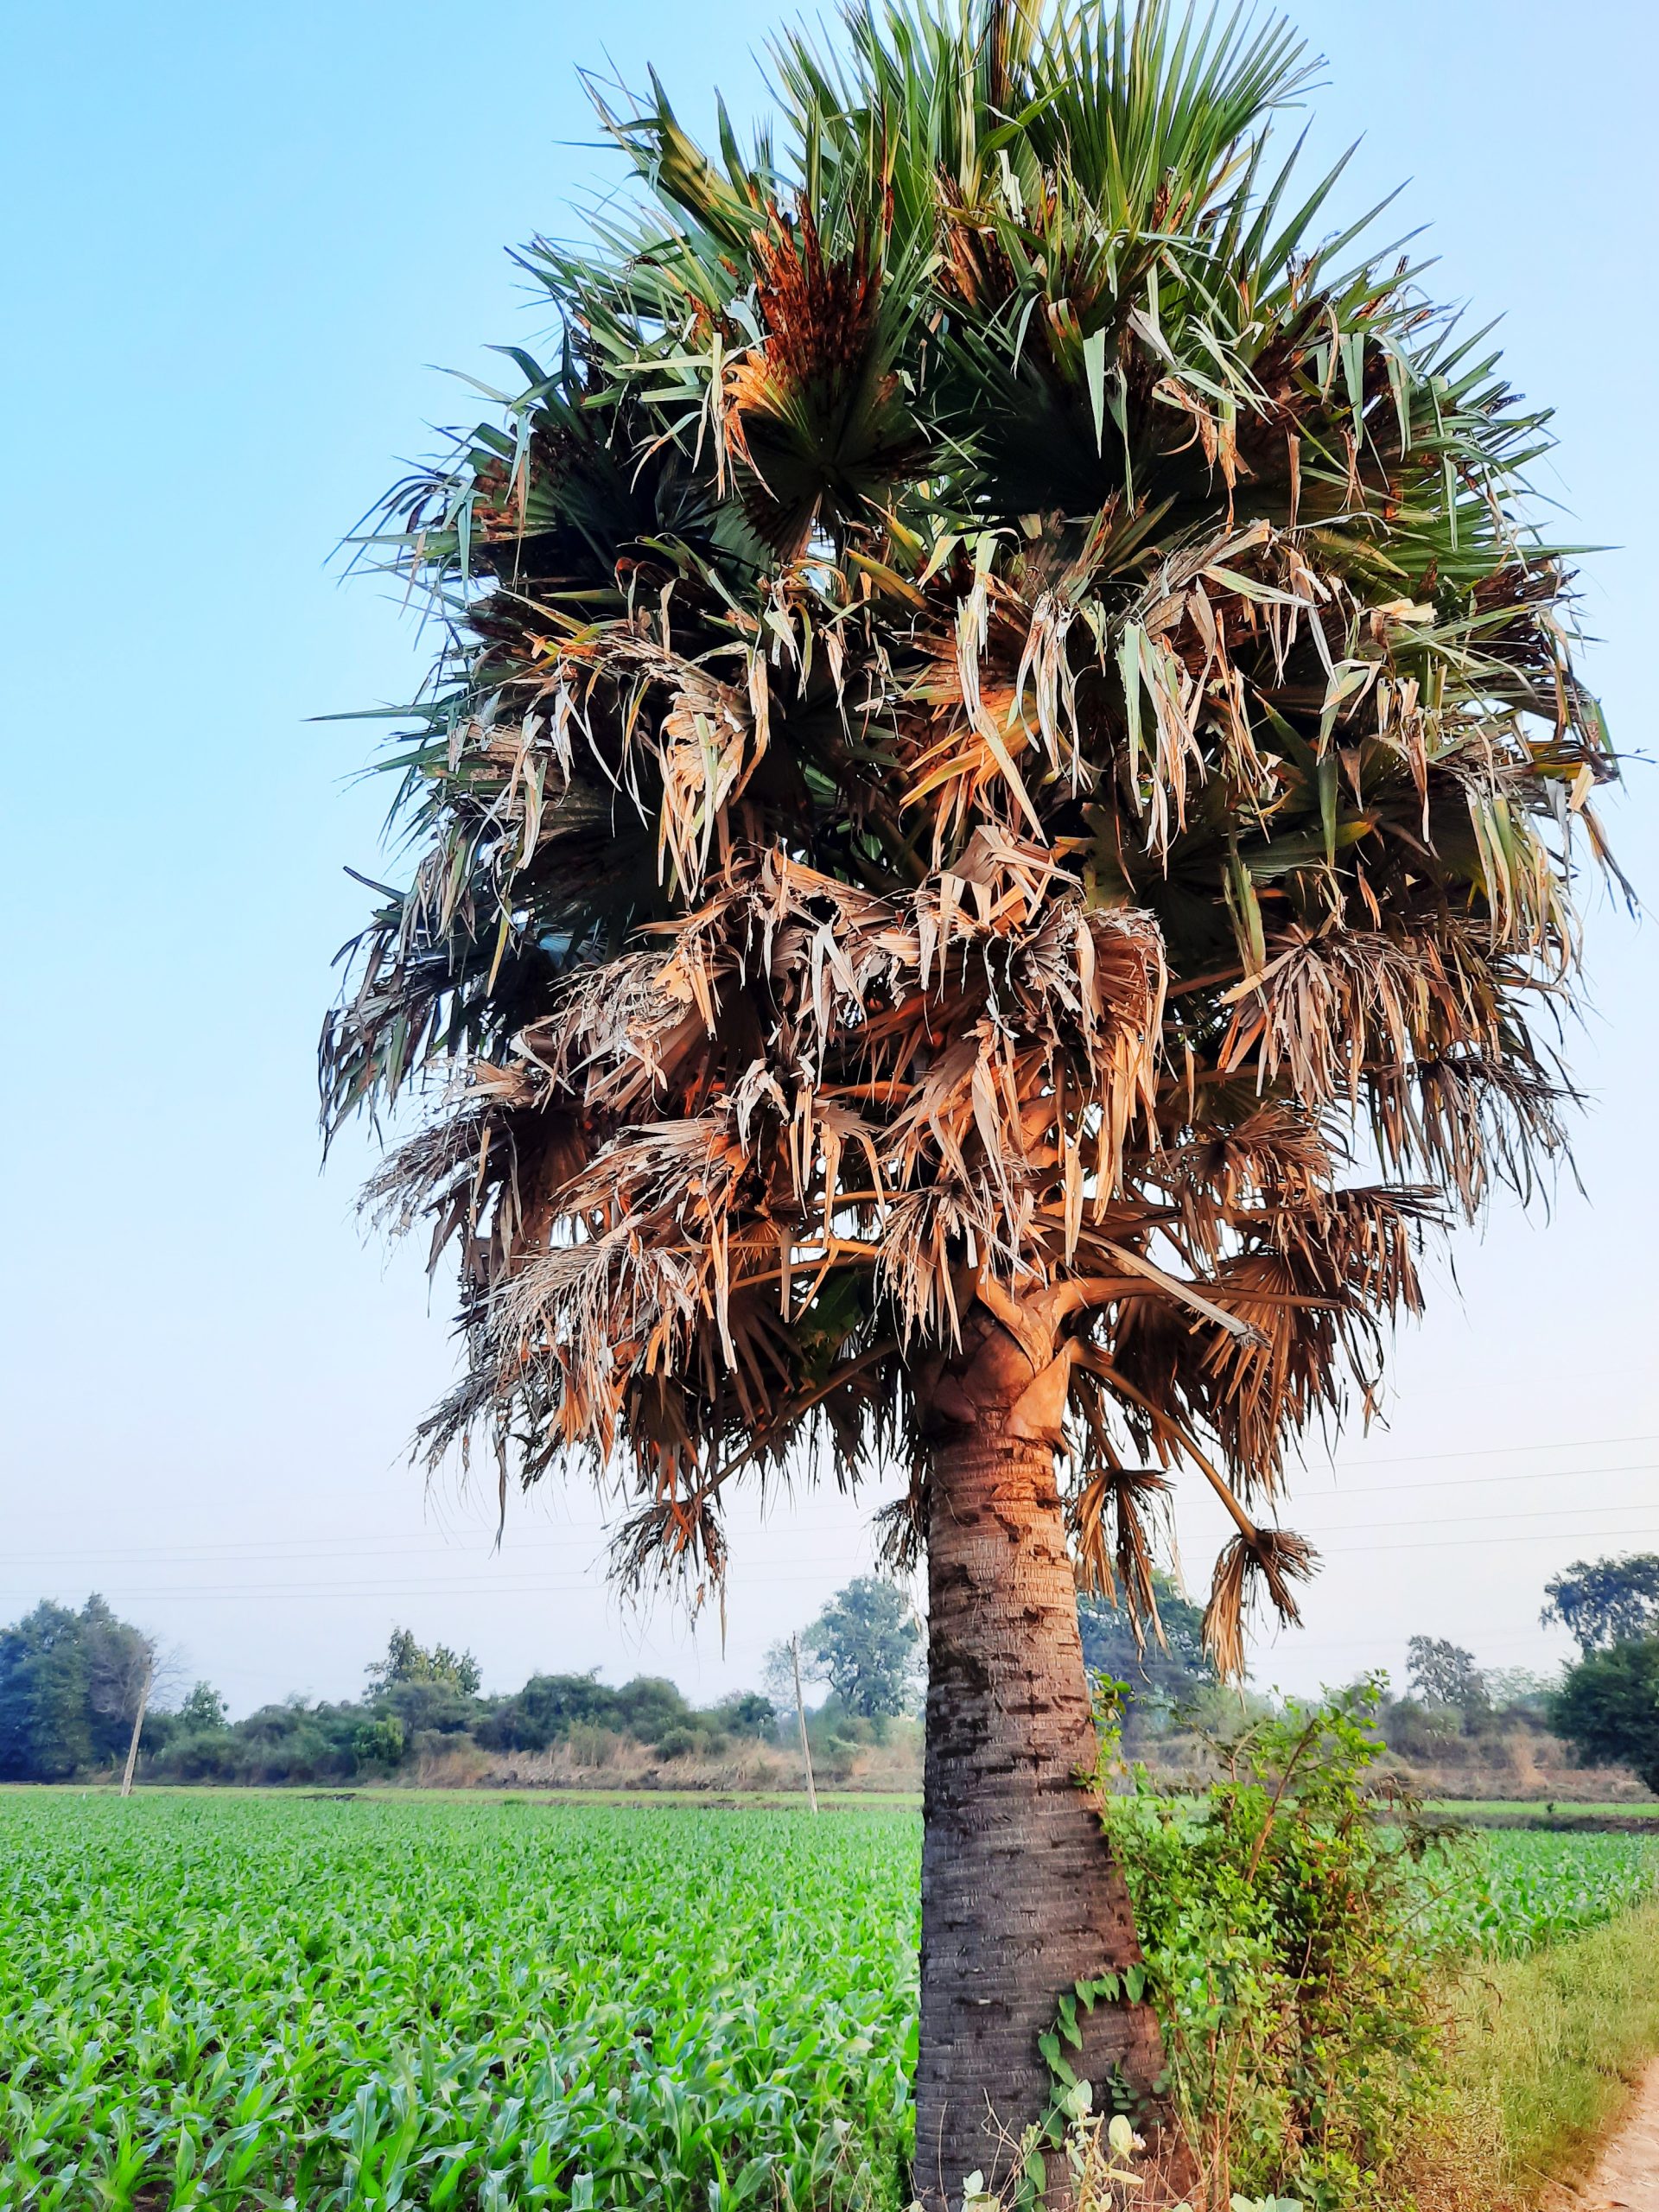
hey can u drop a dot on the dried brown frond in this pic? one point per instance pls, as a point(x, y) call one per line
point(1275, 1559)
point(1107, 1517)
point(943, 836)
point(901, 1541)
point(677, 1536)
point(1473, 1117)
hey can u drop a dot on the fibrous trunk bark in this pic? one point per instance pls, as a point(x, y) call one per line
point(1021, 1896)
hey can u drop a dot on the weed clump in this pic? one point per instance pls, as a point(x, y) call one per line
point(1281, 1912)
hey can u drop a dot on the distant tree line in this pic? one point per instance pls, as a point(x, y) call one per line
point(66, 1705)
point(1449, 1710)
point(1167, 1685)
point(1605, 1705)
point(420, 1703)
point(69, 1694)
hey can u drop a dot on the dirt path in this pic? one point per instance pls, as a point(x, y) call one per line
point(1627, 2180)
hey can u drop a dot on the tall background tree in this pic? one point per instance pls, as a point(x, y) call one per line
point(70, 1685)
point(1605, 1601)
point(1001, 727)
point(1445, 1674)
point(203, 1710)
point(865, 1644)
point(1607, 1704)
point(408, 1661)
point(1607, 1707)
point(1162, 1671)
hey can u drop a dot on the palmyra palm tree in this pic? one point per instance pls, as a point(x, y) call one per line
point(993, 823)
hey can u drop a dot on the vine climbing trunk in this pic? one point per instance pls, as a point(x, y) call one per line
point(1021, 1896)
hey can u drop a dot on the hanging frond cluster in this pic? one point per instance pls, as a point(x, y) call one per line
point(1001, 734)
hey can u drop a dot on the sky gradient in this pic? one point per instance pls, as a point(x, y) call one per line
point(242, 239)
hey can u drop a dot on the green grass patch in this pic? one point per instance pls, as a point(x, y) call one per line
point(1636, 1808)
point(1546, 2051)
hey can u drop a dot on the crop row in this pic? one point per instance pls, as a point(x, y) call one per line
point(246, 2003)
point(1503, 1895)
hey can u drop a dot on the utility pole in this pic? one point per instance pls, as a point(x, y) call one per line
point(800, 1714)
point(137, 1725)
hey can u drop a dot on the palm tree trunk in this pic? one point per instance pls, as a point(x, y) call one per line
point(1021, 1896)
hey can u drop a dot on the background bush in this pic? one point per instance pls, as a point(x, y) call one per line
point(1280, 1917)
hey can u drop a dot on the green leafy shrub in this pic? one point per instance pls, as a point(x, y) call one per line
point(1608, 1708)
point(378, 1743)
point(200, 1755)
point(1280, 1916)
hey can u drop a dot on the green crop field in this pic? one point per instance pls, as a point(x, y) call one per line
point(233, 2002)
point(1502, 1895)
point(246, 2002)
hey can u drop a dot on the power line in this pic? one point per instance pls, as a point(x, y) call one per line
point(1309, 1642)
point(322, 1547)
point(403, 1550)
point(1335, 1466)
point(1458, 1520)
point(415, 1542)
point(1529, 1536)
point(1490, 1451)
point(245, 1592)
point(1464, 1482)
point(592, 1580)
point(241, 1591)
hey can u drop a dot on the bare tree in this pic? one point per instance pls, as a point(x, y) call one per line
point(800, 1714)
point(128, 1668)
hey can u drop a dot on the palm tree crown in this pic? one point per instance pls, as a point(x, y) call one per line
point(998, 798)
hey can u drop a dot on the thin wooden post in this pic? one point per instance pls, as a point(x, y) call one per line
point(800, 1714)
point(138, 1727)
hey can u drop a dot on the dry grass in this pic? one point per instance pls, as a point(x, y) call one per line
point(1546, 2050)
point(598, 1759)
point(1522, 1765)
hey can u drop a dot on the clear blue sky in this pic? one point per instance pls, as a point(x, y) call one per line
point(239, 239)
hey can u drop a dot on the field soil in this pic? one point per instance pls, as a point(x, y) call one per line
point(1557, 1819)
point(1626, 2177)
